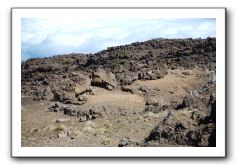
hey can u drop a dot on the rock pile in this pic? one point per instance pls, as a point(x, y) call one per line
point(197, 128)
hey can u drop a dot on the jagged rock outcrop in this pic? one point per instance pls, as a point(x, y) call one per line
point(104, 79)
point(184, 128)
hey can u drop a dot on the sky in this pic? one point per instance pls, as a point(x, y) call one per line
point(54, 36)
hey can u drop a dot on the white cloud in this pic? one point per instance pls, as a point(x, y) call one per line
point(46, 37)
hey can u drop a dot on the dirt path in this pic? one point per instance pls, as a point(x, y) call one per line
point(173, 87)
point(117, 97)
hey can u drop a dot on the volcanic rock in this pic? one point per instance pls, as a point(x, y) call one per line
point(104, 79)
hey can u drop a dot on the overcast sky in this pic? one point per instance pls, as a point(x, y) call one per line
point(47, 37)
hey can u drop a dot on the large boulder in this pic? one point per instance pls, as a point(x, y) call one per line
point(152, 74)
point(47, 94)
point(127, 78)
point(104, 79)
point(83, 85)
point(60, 96)
point(43, 94)
point(65, 97)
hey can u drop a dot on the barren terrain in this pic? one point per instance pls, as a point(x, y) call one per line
point(155, 93)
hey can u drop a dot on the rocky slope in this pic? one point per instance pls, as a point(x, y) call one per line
point(155, 93)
